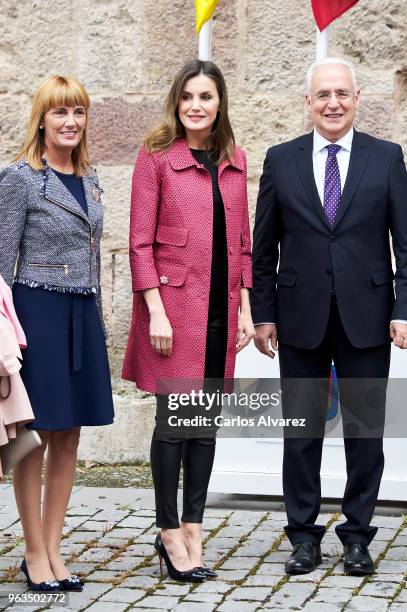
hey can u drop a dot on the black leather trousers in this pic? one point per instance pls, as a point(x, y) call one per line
point(195, 454)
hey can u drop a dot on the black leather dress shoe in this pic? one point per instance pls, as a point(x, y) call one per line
point(357, 560)
point(306, 556)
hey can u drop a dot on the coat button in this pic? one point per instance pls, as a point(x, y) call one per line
point(231, 250)
point(228, 206)
point(231, 295)
point(163, 280)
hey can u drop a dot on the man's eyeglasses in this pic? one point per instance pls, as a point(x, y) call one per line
point(324, 96)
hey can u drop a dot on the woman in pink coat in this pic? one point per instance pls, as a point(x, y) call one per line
point(191, 270)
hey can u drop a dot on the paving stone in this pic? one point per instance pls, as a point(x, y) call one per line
point(142, 582)
point(231, 575)
point(96, 555)
point(401, 539)
point(145, 512)
point(235, 531)
point(237, 563)
point(138, 522)
point(373, 604)
point(92, 591)
point(123, 595)
point(396, 553)
point(140, 550)
point(173, 589)
point(342, 582)
point(111, 515)
point(81, 511)
point(82, 536)
point(250, 593)
point(388, 577)
point(82, 568)
point(212, 598)
point(402, 597)
point(259, 580)
point(155, 601)
point(215, 556)
point(122, 564)
point(148, 570)
point(384, 534)
point(317, 606)
point(379, 589)
point(291, 595)
point(106, 606)
point(397, 607)
point(103, 576)
point(124, 533)
point(391, 567)
point(315, 577)
point(276, 557)
point(387, 521)
point(332, 595)
point(270, 536)
point(191, 606)
point(237, 606)
point(212, 586)
point(245, 517)
point(213, 523)
point(274, 569)
point(221, 543)
point(9, 587)
point(256, 549)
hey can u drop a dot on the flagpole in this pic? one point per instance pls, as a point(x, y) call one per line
point(322, 44)
point(205, 41)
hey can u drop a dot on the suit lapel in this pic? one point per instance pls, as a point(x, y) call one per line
point(56, 191)
point(306, 172)
point(92, 197)
point(357, 164)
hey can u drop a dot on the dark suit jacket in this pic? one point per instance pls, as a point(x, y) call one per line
point(353, 257)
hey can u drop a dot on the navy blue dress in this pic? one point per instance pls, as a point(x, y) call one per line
point(65, 365)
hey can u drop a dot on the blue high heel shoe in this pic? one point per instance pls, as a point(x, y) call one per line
point(72, 583)
point(48, 586)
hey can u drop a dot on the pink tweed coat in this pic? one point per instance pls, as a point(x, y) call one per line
point(171, 248)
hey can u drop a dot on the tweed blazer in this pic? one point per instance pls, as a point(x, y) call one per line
point(45, 231)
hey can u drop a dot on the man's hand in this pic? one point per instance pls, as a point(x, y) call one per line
point(266, 334)
point(398, 333)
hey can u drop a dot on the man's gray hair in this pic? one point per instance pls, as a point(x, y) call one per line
point(336, 61)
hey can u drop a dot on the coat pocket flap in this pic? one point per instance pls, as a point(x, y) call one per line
point(168, 234)
point(171, 274)
point(287, 280)
point(380, 277)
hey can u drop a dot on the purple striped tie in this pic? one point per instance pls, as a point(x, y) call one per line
point(332, 189)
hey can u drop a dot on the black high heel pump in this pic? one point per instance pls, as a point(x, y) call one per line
point(193, 575)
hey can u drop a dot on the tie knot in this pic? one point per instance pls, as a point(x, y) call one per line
point(333, 149)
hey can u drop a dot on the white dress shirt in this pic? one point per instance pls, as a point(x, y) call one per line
point(319, 157)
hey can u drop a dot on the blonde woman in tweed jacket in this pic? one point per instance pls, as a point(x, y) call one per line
point(51, 225)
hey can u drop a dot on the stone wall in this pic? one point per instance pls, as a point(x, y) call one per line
point(126, 53)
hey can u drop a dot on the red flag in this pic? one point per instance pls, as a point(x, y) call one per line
point(326, 11)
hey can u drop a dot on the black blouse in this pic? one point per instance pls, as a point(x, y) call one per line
point(219, 270)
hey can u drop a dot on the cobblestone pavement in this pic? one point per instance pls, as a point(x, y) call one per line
point(109, 538)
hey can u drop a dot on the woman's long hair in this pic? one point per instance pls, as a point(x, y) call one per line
point(54, 92)
point(221, 139)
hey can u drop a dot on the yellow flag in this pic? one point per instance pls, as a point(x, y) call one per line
point(204, 11)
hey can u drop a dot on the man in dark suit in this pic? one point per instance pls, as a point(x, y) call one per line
point(326, 205)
